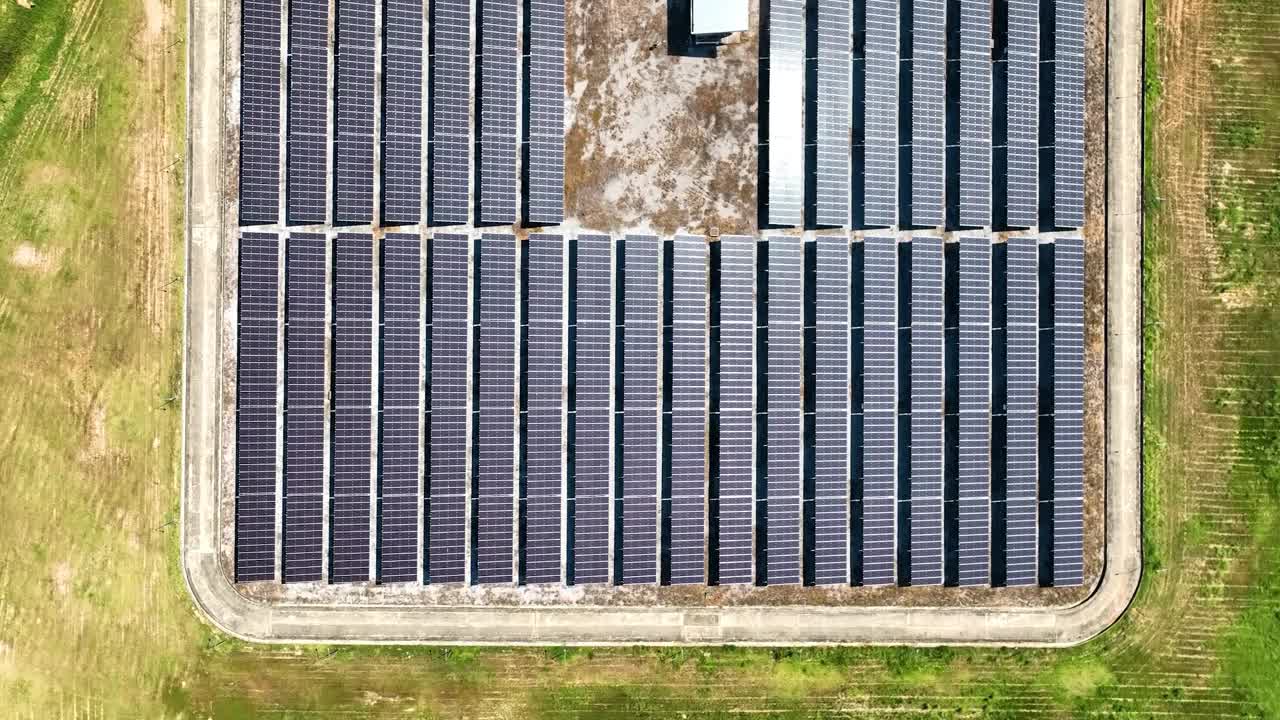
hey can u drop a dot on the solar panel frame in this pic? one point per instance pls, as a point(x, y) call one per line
point(881, 111)
point(400, 429)
point(260, 69)
point(1068, 113)
point(1022, 411)
point(927, 270)
point(784, 481)
point(975, 113)
point(498, 399)
point(402, 130)
point(257, 405)
point(498, 97)
point(353, 108)
point(306, 146)
point(447, 514)
point(593, 316)
point(642, 409)
point(688, 549)
point(786, 57)
point(974, 451)
point(544, 382)
point(928, 112)
point(1068, 412)
point(450, 144)
point(880, 410)
point(831, 411)
point(544, 179)
point(736, 482)
point(1023, 113)
point(304, 418)
point(834, 113)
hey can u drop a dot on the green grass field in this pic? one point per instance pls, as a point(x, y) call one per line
point(94, 621)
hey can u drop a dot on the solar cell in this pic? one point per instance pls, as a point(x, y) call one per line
point(259, 112)
point(592, 447)
point(352, 469)
point(881, 110)
point(926, 410)
point(450, 384)
point(496, 471)
point(544, 173)
point(256, 406)
point(831, 412)
point(353, 102)
point(402, 113)
point(782, 448)
point(880, 410)
point(304, 393)
point(689, 411)
point(737, 409)
point(497, 110)
point(975, 113)
point(641, 408)
point(1068, 412)
point(834, 114)
point(1068, 113)
point(786, 38)
point(451, 111)
point(1023, 324)
point(308, 110)
point(974, 452)
point(544, 383)
point(928, 111)
point(401, 428)
point(1023, 111)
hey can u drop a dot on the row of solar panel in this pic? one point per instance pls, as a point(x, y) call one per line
point(308, 191)
point(868, 196)
point(519, 481)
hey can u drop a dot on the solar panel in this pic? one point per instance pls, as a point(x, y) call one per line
point(834, 115)
point(450, 386)
point(689, 411)
point(1068, 412)
point(1023, 112)
point(926, 410)
point(353, 102)
point(544, 384)
point(304, 393)
point(496, 470)
point(256, 406)
point(352, 407)
point(641, 408)
point(402, 113)
point(1023, 324)
point(974, 452)
point(881, 184)
point(786, 112)
point(451, 111)
point(401, 427)
point(737, 409)
point(857, 351)
point(259, 112)
point(591, 319)
point(308, 110)
point(975, 113)
point(1068, 113)
point(544, 177)
point(782, 446)
point(928, 111)
point(880, 410)
point(831, 412)
point(497, 110)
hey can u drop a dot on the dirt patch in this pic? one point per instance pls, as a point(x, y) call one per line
point(63, 578)
point(29, 257)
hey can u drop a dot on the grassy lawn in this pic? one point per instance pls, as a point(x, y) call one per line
point(94, 621)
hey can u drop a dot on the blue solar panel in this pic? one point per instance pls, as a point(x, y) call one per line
point(928, 111)
point(641, 409)
point(592, 447)
point(451, 111)
point(1068, 412)
point(782, 447)
point(737, 410)
point(544, 177)
point(880, 410)
point(834, 115)
point(353, 103)
point(831, 412)
point(308, 110)
point(304, 391)
point(975, 113)
point(926, 411)
point(352, 407)
point(974, 452)
point(1068, 113)
point(256, 406)
point(450, 383)
point(1023, 112)
point(881, 111)
point(497, 109)
point(496, 356)
point(689, 411)
point(1022, 412)
point(260, 112)
point(401, 427)
point(402, 113)
point(544, 383)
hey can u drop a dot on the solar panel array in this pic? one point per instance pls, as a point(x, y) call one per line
point(544, 173)
point(881, 111)
point(1023, 112)
point(1021, 410)
point(786, 112)
point(928, 112)
point(974, 451)
point(880, 411)
point(592, 446)
point(782, 446)
point(497, 109)
point(1068, 113)
point(402, 113)
point(496, 444)
point(256, 405)
point(451, 112)
point(304, 406)
point(1068, 412)
point(401, 416)
point(926, 410)
point(260, 112)
point(544, 383)
point(831, 412)
point(447, 516)
point(353, 100)
point(352, 470)
point(834, 113)
point(736, 482)
point(689, 411)
point(307, 158)
point(641, 408)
